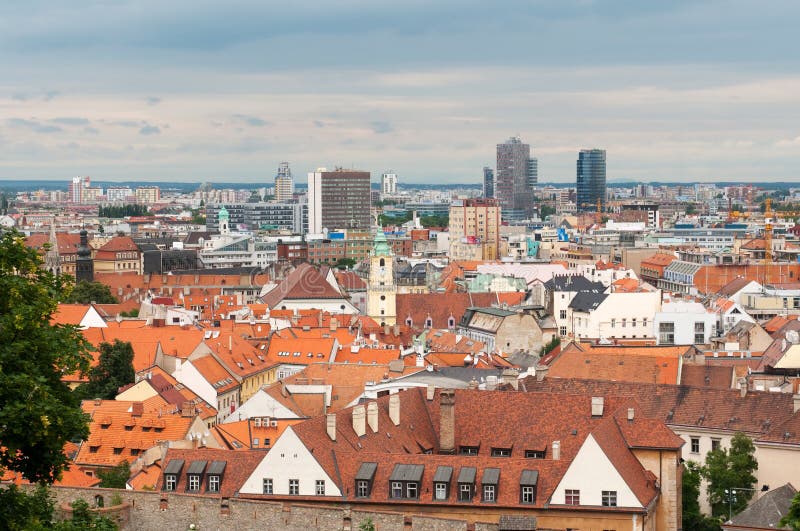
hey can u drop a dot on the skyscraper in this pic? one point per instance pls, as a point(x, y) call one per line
point(591, 179)
point(389, 183)
point(533, 172)
point(488, 182)
point(338, 199)
point(512, 186)
point(284, 184)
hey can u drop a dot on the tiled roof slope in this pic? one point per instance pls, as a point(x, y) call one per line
point(626, 364)
point(305, 282)
point(238, 466)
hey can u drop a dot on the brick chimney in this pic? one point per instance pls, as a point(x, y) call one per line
point(331, 425)
point(359, 420)
point(372, 416)
point(556, 453)
point(394, 409)
point(447, 421)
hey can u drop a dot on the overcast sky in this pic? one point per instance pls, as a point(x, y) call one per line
point(224, 91)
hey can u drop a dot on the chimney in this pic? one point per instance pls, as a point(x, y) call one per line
point(394, 409)
point(541, 372)
point(431, 392)
point(556, 454)
point(334, 324)
point(631, 414)
point(319, 319)
point(359, 421)
point(386, 330)
point(396, 330)
point(447, 422)
point(331, 425)
point(372, 416)
point(510, 378)
point(186, 409)
point(743, 387)
point(796, 403)
point(137, 409)
point(597, 406)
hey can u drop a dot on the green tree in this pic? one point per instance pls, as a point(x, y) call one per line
point(690, 209)
point(115, 478)
point(114, 369)
point(121, 211)
point(792, 518)
point(38, 412)
point(435, 221)
point(345, 263)
point(729, 470)
point(84, 519)
point(85, 292)
point(547, 348)
point(546, 210)
point(19, 510)
point(693, 519)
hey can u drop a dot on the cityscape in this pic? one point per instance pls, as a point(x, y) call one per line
point(373, 267)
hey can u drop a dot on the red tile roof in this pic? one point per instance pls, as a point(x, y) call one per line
point(305, 282)
point(238, 467)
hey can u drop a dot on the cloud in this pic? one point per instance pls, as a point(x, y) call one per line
point(152, 100)
point(127, 123)
point(252, 121)
point(33, 125)
point(91, 130)
point(381, 127)
point(71, 120)
point(149, 130)
point(318, 123)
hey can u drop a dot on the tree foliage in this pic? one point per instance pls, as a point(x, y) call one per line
point(115, 478)
point(38, 412)
point(792, 518)
point(121, 211)
point(113, 370)
point(550, 345)
point(693, 519)
point(546, 210)
point(732, 470)
point(21, 511)
point(83, 519)
point(85, 292)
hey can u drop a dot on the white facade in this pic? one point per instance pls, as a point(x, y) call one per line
point(591, 473)
point(289, 460)
point(315, 201)
point(684, 323)
point(261, 404)
point(619, 316)
point(389, 183)
point(605, 276)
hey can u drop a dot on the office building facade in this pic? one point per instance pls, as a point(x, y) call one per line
point(284, 184)
point(591, 179)
point(513, 183)
point(488, 182)
point(338, 199)
point(389, 183)
point(255, 216)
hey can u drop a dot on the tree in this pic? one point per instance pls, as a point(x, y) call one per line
point(84, 519)
point(690, 209)
point(85, 292)
point(38, 412)
point(792, 518)
point(19, 510)
point(546, 210)
point(114, 369)
point(115, 478)
point(731, 470)
point(345, 263)
point(547, 348)
point(693, 519)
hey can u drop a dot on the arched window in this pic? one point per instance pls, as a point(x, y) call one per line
point(428, 323)
point(409, 322)
point(383, 297)
point(451, 322)
point(382, 263)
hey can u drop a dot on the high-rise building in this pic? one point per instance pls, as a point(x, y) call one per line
point(389, 183)
point(76, 189)
point(488, 182)
point(533, 172)
point(148, 194)
point(591, 179)
point(338, 199)
point(512, 185)
point(284, 184)
point(474, 229)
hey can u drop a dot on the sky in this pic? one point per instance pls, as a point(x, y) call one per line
point(224, 91)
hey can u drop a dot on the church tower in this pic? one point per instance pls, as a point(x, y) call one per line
point(84, 266)
point(224, 221)
point(382, 290)
point(52, 259)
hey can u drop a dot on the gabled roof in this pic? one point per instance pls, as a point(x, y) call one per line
point(573, 283)
point(766, 512)
point(120, 243)
point(733, 286)
point(587, 301)
point(623, 364)
point(305, 282)
point(439, 307)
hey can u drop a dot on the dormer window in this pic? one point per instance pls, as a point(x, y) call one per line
point(468, 450)
point(195, 471)
point(501, 452)
point(171, 473)
point(466, 483)
point(441, 483)
point(451, 322)
point(527, 486)
point(404, 483)
point(489, 482)
point(215, 472)
point(534, 454)
point(428, 323)
point(409, 322)
point(364, 478)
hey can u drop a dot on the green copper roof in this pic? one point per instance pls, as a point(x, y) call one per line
point(381, 245)
point(223, 214)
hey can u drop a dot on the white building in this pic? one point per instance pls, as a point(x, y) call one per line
point(617, 315)
point(684, 323)
point(389, 183)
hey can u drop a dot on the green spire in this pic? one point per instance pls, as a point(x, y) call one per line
point(223, 214)
point(381, 245)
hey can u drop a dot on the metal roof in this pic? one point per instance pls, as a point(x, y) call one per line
point(529, 477)
point(407, 473)
point(174, 467)
point(197, 467)
point(216, 468)
point(366, 471)
point(443, 474)
point(467, 474)
point(491, 476)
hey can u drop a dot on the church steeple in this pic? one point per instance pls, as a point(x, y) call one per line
point(84, 266)
point(52, 259)
point(382, 290)
point(224, 221)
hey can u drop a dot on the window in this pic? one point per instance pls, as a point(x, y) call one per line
point(609, 498)
point(699, 333)
point(170, 482)
point(562, 330)
point(294, 486)
point(267, 486)
point(572, 497)
point(194, 482)
point(362, 488)
point(644, 322)
point(468, 450)
point(666, 333)
point(695, 441)
point(489, 493)
point(117, 451)
point(562, 314)
point(213, 483)
point(320, 487)
point(528, 495)
point(464, 492)
point(94, 449)
point(534, 454)
point(613, 323)
point(411, 489)
point(501, 452)
point(440, 491)
point(715, 444)
point(623, 322)
point(428, 323)
point(397, 489)
point(633, 322)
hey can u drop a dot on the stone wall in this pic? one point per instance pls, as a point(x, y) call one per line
point(158, 510)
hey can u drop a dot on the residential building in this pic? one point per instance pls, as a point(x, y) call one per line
point(282, 216)
point(684, 322)
point(591, 179)
point(615, 315)
point(474, 229)
point(503, 331)
point(305, 288)
point(119, 254)
point(512, 185)
point(148, 194)
point(389, 183)
point(284, 184)
point(338, 199)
